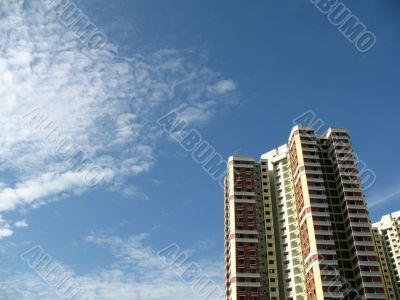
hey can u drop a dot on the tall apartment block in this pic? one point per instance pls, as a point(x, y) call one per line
point(387, 241)
point(297, 226)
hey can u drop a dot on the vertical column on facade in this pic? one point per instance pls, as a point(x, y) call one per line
point(290, 274)
point(368, 278)
point(294, 226)
point(243, 274)
point(261, 227)
point(384, 259)
point(317, 241)
point(227, 242)
point(345, 275)
point(270, 235)
point(294, 255)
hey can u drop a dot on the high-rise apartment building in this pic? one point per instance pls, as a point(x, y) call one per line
point(296, 223)
point(387, 241)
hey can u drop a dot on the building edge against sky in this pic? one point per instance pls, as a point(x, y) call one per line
point(296, 223)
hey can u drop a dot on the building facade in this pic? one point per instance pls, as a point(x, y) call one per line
point(387, 241)
point(297, 226)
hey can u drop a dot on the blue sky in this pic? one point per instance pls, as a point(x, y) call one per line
point(243, 71)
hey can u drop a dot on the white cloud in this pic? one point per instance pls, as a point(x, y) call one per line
point(30, 191)
point(107, 105)
point(137, 273)
point(5, 232)
point(194, 114)
point(224, 86)
point(21, 224)
point(133, 192)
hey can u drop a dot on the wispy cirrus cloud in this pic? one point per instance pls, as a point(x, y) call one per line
point(107, 104)
point(136, 273)
point(384, 195)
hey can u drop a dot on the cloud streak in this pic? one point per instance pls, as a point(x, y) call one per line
point(379, 198)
